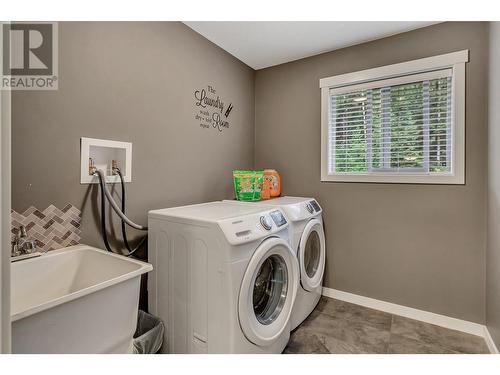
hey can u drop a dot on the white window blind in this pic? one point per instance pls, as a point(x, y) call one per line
point(401, 125)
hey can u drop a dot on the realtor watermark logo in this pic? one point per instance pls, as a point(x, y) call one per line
point(29, 56)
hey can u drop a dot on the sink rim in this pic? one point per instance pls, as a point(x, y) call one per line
point(143, 268)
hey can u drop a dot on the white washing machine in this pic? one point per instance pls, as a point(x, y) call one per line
point(307, 239)
point(224, 278)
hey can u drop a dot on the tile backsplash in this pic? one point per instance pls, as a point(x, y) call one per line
point(52, 228)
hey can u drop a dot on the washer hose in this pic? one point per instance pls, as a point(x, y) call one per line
point(113, 204)
point(124, 231)
point(105, 194)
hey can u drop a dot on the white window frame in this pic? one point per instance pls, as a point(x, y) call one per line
point(393, 74)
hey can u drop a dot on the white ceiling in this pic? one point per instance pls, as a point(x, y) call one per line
point(262, 44)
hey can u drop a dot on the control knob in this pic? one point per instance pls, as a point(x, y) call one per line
point(266, 222)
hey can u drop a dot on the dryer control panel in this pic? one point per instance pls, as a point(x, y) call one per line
point(315, 205)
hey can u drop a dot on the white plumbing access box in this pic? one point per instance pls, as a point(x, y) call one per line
point(103, 152)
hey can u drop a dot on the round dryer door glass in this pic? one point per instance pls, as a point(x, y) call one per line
point(270, 289)
point(312, 254)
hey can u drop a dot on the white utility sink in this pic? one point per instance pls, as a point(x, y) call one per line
point(75, 300)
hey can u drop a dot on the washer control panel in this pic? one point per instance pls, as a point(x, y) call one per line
point(278, 218)
point(250, 227)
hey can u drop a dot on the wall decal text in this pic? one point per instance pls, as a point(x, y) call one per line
point(210, 109)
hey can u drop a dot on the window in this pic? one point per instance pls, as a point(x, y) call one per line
point(401, 123)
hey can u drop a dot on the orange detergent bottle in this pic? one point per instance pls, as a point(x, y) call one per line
point(271, 187)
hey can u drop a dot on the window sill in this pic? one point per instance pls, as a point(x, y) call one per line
point(395, 179)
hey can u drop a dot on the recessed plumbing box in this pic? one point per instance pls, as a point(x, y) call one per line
point(101, 153)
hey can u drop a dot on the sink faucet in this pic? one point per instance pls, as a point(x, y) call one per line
point(22, 244)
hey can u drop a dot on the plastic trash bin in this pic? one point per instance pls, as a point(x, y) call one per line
point(148, 337)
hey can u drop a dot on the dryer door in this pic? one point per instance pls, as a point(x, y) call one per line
point(268, 292)
point(312, 255)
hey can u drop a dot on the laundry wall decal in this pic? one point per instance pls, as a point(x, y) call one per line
point(211, 111)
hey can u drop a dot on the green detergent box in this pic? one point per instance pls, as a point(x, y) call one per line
point(248, 185)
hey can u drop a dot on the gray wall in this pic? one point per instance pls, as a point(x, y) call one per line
point(132, 81)
point(416, 245)
point(493, 250)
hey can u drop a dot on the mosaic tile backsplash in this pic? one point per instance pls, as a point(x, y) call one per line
point(52, 228)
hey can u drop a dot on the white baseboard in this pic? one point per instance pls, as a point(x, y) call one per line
point(409, 312)
point(489, 341)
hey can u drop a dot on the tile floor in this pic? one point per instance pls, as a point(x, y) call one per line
point(340, 327)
